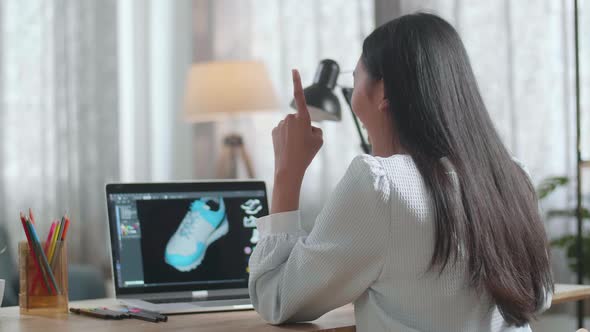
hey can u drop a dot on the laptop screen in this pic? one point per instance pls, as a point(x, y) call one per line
point(183, 236)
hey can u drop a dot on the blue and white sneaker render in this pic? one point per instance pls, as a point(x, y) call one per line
point(204, 223)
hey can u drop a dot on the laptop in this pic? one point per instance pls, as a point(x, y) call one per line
point(184, 247)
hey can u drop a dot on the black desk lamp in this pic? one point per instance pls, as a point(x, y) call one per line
point(322, 103)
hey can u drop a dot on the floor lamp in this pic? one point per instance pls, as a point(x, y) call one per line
point(217, 91)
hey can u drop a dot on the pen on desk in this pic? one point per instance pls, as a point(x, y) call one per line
point(99, 313)
point(158, 315)
point(151, 316)
point(91, 313)
point(109, 313)
point(119, 314)
point(144, 316)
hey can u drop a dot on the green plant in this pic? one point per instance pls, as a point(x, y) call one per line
point(549, 185)
point(567, 242)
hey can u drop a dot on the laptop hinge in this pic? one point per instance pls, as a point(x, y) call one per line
point(200, 294)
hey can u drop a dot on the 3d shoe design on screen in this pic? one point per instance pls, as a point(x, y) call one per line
point(203, 224)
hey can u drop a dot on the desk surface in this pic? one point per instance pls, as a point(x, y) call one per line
point(569, 293)
point(341, 319)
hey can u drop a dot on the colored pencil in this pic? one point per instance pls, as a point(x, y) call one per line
point(49, 236)
point(61, 228)
point(43, 259)
point(67, 226)
point(60, 241)
point(37, 249)
point(31, 216)
point(46, 249)
point(53, 242)
point(33, 251)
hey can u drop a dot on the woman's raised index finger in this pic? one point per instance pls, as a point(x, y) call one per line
point(299, 96)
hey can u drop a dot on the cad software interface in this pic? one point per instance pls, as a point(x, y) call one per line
point(185, 238)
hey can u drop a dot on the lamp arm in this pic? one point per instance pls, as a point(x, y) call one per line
point(347, 92)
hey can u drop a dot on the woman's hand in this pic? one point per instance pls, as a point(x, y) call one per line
point(296, 142)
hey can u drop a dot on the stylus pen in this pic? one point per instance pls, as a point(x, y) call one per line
point(111, 314)
point(158, 315)
point(119, 314)
point(92, 313)
point(143, 316)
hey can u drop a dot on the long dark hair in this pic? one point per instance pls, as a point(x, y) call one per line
point(493, 221)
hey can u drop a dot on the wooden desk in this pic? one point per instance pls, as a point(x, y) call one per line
point(339, 320)
point(570, 293)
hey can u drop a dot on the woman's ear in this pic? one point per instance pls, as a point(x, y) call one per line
point(384, 105)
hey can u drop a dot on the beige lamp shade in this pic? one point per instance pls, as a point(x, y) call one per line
point(220, 89)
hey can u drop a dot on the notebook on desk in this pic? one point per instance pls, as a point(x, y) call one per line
point(184, 247)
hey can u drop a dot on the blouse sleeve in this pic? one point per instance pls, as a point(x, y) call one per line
point(299, 277)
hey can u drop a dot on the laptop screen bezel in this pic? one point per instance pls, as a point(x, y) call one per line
point(164, 187)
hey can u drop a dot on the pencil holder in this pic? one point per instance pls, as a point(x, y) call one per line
point(42, 293)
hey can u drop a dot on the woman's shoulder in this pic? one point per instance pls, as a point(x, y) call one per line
point(393, 172)
point(381, 166)
point(366, 164)
point(365, 174)
point(395, 167)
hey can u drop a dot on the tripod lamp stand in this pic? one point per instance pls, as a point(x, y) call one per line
point(217, 91)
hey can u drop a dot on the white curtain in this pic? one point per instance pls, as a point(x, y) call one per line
point(58, 111)
point(154, 54)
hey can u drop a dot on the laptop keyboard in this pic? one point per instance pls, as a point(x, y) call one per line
point(244, 297)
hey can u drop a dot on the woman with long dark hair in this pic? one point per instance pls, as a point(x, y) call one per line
point(437, 230)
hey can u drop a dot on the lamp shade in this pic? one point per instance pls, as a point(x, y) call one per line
point(219, 89)
point(321, 101)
